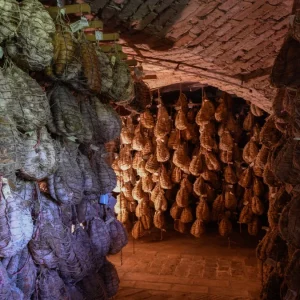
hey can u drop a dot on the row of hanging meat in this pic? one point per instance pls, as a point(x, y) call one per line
point(201, 165)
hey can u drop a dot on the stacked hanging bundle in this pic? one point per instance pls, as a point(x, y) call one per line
point(39, 155)
point(182, 196)
point(180, 158)
point(250, 151)
point(141, 169)
point(211, 161)
point(147, 183)
point(180, 120)
point(162, 152)
point(66, 115)
point(11, 148)
point(138, 141)
point(66, 184)
point(137, 193)
point(160, 202)
point(207, 141)
point(175, 211)
point(226, 157)
point(198, 228)
point(147, 120)
point(200, 187)
point(10, 19)
point(163, 125)
point(126, 133)
point(257, 206)
point(142, 97)
point(109, 122)
point(33, 51)
point(137, 158)
point(221, 111)
point(30, 108)
point(206, 112)
point(211, 177)
point(148, 147)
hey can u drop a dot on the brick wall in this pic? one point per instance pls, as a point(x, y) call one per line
point(230, 44)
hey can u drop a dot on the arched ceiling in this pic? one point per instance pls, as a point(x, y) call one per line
point(229, 44)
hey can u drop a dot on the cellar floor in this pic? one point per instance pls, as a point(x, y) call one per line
point(186, 268)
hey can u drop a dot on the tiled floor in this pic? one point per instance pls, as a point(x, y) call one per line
point(185, 268)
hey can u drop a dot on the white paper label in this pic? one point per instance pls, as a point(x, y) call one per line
point(84, 22)
point(62, 11)
point(98, 35)
point(93, 147)
point(80, 24)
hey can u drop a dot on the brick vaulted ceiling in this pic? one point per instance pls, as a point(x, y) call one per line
point(229, 44)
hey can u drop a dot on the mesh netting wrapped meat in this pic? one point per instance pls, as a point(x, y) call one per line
point(106, 71)
point(10, 19)
point(26, 274)
point(292, 274)
point(122, 88)
point(76, 258)
point(6, 93)
point(67, 119)
point(110, 122)
point(270, 135)
point(11, 148)
point(30, 108)
point(110, 278)
point(16, 226)
point(91, 185)
point(93, 287)
point(66, 184)
point(106, 176)
point(33, 48)
point(142, 97)
point(50, 286)
point(39, 155)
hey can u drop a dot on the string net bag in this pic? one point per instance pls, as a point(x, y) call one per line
point(180, 227)
point(182, 102)
point(147, 120)
point(148, 148)
point(208, 141)
point(257, 206)
point(137, 193)
point(182, 196)
point(258, 187)
point(139, 140)
point(110, 278)
point(10, 19)
point(231, 201)
point(32, 49)
point(196, 165)
point(206, 112)
point(141, 169)
point(230, 175)
point(6, 93)
point(137, 158)
point(180, 158)
point(147, 221)
point(39, 156)
point(256, 132)
point(160, 202)
point(211, 161)
point(11, 148)
point(250, 151)
point(159, 220)
point(226, 157)
point(147, 183)
point(221, 111)
point(30, 108)
point(200, 187)
point(125, 159)
point(198, 228)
